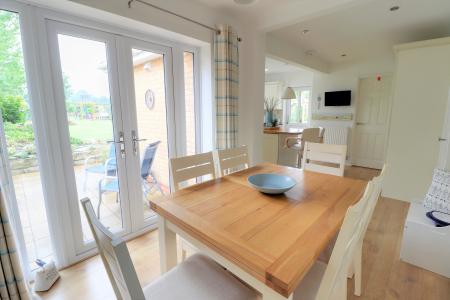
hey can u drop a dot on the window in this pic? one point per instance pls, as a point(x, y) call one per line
point(297, 111)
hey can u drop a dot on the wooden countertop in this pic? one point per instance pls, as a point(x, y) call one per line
point(282, 130)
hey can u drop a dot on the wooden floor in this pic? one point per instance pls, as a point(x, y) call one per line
point(384, 275)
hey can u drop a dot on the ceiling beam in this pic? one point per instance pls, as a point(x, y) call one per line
point(283, 51)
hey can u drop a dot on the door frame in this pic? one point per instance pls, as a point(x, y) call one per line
point(388, 117)
point(33, 19)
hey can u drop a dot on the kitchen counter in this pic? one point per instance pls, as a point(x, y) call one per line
point(283, 130)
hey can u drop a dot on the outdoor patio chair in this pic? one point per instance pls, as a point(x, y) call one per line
point(148, 180)
point(109, 167)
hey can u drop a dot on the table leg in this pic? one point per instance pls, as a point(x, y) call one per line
point(269, 294)
point(167, 246)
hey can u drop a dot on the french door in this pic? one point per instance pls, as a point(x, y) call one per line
point(116, 117)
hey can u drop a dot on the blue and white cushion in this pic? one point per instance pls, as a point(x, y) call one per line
point(438, 195)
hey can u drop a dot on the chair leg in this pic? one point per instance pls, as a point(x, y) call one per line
point(183, 254)
point(156, 183)
point(85, 180)
point(99, 198)
point(357, 262)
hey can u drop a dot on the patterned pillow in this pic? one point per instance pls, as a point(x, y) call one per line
point(438, 196)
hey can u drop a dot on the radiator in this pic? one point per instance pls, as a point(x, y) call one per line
point(335, 135)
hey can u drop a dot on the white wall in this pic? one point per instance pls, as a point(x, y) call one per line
point(422, 83)
point(293, 79)
point(345, 77)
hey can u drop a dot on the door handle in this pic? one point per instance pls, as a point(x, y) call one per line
point(121, 141)
point(135, 140)
point(441, 139)
point(360, 123)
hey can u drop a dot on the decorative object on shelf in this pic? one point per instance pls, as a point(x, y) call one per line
point(150, 99)
point(271, 183)
point(270, 105)
point(288, 94)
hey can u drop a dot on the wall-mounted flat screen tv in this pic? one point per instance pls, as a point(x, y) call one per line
point(338, 98)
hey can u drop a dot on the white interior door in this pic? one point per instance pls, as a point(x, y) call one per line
point(372, 116)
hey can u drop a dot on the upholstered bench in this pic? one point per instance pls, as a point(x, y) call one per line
point(423, 244)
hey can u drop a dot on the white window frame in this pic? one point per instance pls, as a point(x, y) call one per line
point(287, 106)
point(38, 69)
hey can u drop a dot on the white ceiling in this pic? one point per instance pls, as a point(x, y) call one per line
point(368, 30)
point(276, 66)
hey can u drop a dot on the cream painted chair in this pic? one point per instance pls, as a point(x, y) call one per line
point(329, 281)
point(324, 158)
point(210, 282)
point(191, 167)
point(186, 168)
point(233, 159)
point(314, 135)
point(370, 205)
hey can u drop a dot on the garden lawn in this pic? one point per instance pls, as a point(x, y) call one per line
point(91, 130)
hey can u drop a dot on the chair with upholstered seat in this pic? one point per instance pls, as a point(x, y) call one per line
point(314, 135)
point(188, 168)
point(324, 158)
point(329, 281)
point(356, 268)
point(231, 160)
point(197, 278)
point(191, 167)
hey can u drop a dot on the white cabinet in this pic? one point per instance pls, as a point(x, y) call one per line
point(270, 148)
point(422, 81)
point(425, 245)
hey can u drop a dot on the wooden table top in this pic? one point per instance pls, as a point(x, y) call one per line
point(283, 130)
point(275, 238)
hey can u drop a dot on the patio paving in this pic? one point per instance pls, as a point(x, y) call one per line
point(33, 214)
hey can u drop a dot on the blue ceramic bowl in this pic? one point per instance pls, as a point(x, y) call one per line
point(271, 183)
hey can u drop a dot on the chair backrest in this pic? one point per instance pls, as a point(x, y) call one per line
point(190, 167)
point(324, 158)
point(311, 135)
point(334, 282)
point(148, 158)
point(115, 257)
point(232, 159)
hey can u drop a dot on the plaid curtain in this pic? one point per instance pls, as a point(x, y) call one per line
point(227, 87)
point(12, 284)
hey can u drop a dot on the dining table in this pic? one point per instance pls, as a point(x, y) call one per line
point(268, 241)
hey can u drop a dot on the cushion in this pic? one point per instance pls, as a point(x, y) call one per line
point(198, 278)
point(438, 195)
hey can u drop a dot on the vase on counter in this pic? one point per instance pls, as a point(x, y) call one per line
point(268, 118)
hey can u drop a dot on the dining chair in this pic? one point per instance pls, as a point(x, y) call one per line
point(186, 168)
point(356, 267)
point(314, 135)
point(148, 179)
point(231, 160)
point(324, 158)
point(190, 167)
point(197, 278)
point(329, 281)
point(109, 167)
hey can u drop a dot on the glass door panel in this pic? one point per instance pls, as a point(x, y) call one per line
point(89, 115)
point(19, 137)
point(189, 100)
point(90, 119)
point(151, 117)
